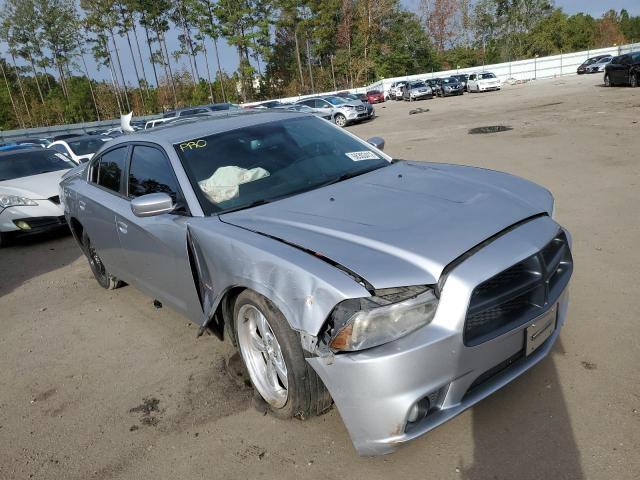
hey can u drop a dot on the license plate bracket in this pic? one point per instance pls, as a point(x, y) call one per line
point(540, 330)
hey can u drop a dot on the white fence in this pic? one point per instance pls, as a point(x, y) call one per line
point(523, 70)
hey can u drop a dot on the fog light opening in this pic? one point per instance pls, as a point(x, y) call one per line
point(22, 225)
point(419, 410)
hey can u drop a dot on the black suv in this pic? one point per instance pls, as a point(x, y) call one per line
point(623, 70)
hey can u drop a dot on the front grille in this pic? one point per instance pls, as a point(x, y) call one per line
point(359, 107)
point(55, 199)
point(518, 294)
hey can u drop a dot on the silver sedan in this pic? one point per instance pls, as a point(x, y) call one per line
point(403, 292)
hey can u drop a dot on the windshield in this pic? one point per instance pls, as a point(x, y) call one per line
point(336, 100)
point(486, 76)
point(86, 146)
point(449, 80)
point(25, 164)
point(260, 163)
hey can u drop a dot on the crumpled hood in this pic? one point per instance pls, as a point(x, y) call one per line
point(36, 187)
point(403, 224)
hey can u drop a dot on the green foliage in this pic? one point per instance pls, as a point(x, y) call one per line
point(283, 48)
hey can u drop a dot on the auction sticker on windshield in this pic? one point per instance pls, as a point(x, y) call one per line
point(365, 155)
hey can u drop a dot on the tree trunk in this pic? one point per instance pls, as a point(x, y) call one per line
point(13, 104)
point(24, 98)
point(135, 69)
point(93, 95)
point(206, 64)
point(35, 76)
point(114, 78)
point(220, 75)
point(295, 35)
point(215, 47)
point(163, 44)
point(153, 63)
point(313, 88)
point(144, 73)
point(124, 80)
point(333, 73)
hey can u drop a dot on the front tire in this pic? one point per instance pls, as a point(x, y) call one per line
point(273, 356)
point(104, 278)
point(341, 120)
point(633, 80)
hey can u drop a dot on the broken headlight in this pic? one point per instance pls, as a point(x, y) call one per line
point(360, 323)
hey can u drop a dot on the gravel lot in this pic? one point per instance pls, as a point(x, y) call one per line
point(97, 384)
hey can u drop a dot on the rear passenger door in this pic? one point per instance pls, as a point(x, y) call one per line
point(156, 247)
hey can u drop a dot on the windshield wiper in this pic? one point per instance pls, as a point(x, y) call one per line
point(244, 207)
point(347, 176)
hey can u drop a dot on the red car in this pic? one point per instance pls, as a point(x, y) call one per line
point(375, 96)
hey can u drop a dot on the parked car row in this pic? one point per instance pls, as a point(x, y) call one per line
point(443, 87)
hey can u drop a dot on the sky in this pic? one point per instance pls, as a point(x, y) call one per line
point(229, 58)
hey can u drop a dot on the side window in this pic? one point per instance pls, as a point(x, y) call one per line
point(472, 77)
point(110, 169)
point(151, 172)
point(309, 103)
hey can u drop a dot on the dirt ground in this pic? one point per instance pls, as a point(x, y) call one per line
point(101, 385)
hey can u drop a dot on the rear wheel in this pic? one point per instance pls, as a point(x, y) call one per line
point(607, 81)
point(104, 278)
point(3, 239)
point(273, 356)
point(341, 120)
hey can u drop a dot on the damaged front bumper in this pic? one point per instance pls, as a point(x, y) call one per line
point(376, 390)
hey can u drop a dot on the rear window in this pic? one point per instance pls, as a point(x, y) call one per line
point(24, 164)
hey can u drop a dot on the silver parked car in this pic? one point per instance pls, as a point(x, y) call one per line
point(344, 111)
point(417, 90)
point(405, 292)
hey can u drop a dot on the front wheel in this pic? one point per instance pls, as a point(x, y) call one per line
point(633, 81)
point(273, 356)
point(341, 120)
point(104, 278)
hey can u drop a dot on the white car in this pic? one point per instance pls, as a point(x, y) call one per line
point(29, 198)
point(483, 82)
point(80, 149)
point(395, 91)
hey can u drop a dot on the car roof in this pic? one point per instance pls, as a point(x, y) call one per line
point(196, 127)
point(10, 153)
point(81, 137)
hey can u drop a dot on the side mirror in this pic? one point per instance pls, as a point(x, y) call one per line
point(152, 204)
point(377, 142)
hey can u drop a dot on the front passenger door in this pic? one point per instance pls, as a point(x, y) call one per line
point(156, 247)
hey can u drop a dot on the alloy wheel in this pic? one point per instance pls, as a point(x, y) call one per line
point(341, 120)
point(262, 355)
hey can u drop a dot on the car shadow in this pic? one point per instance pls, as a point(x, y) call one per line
point(29, 257)
point(525, 432)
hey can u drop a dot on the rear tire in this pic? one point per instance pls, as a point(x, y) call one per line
point(103, 277)
point(607, 81)
point(3, 240)
point(633, 80)
point(265, 338)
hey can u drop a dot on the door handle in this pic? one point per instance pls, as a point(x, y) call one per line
point(82, 205)
point(122, 226)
